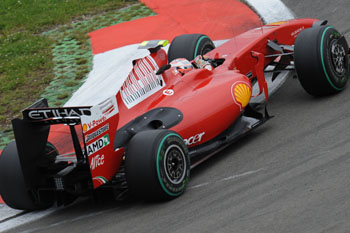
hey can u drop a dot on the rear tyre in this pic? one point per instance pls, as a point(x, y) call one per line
point(189, 46)
point(321, 60)
point(157, 165)
point(13, 188)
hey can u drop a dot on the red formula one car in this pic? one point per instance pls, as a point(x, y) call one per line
point(173, 111)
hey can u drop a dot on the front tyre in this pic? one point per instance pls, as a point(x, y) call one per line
point(157, 165)
point(189, 46)
point(321, 60)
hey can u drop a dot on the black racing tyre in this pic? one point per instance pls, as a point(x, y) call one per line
point(13, 188)
point(321, 60)
point(157, 165)
point(189, 46)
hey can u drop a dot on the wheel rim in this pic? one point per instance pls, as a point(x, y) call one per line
point(338, 55)
point(174, 164)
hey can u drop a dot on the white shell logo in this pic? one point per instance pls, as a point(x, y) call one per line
point(168, 92)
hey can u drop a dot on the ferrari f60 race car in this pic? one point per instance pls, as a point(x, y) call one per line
point(173, 111)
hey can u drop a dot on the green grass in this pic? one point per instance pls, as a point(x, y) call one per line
point(39, 15)
point(26, 65)
point(45, 49)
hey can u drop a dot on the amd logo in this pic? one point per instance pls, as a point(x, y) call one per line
point(98, 145)
point(42, 114)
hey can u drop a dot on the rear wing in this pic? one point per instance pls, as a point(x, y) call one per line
point(153, 45)
point(95, 152)
point(40, 113)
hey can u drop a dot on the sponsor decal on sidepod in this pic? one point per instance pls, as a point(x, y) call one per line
point(94, 123)
point(97, 133)
point(194, 139)
point(100, 114)
point(98, 144)
point(96, 161)
point(241, 93)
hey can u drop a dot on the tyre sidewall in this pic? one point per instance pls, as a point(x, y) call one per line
point(145, 173)
point(329, 37)
point(171, 188)
point(203, 46)
point(189, 46)
point(313, 61)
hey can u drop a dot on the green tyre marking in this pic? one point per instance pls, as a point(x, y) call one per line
point(158, 172)
point(323, 64)
point(199, 41)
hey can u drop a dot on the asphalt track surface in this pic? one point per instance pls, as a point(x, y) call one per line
point(290, 175)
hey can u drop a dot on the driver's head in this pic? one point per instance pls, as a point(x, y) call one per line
point(181, 65)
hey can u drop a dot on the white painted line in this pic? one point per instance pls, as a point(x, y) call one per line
point(69, 221)
point(199, 185)
point(241, 175)
point(26, 218)
point(226, 179)
point(7, 213)
point(271, 10)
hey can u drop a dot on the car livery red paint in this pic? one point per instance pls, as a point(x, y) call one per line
point(165, 120)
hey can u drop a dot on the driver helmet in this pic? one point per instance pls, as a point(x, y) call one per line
point(181, 65)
